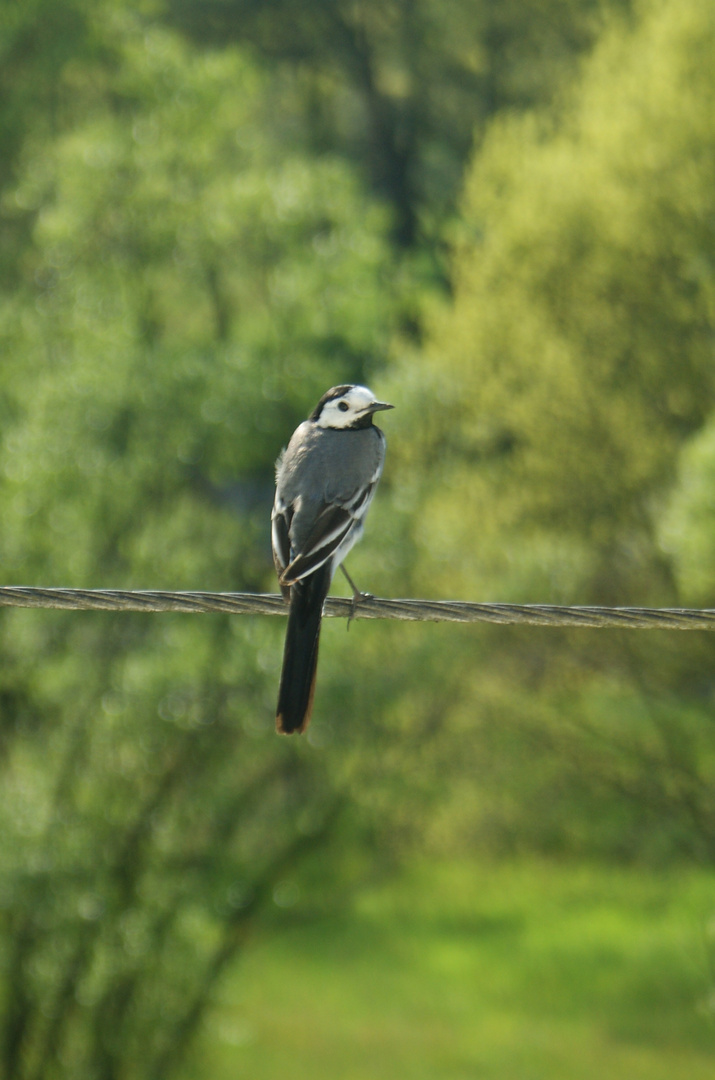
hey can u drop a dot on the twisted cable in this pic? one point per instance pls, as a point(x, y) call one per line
point(368, 607)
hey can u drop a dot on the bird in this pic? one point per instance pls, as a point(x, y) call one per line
point(325, 481)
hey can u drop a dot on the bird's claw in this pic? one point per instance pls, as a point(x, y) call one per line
point(357, 599)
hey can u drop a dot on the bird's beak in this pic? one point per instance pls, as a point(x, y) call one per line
point(378, 406)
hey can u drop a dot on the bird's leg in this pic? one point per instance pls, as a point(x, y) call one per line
point(357, 595)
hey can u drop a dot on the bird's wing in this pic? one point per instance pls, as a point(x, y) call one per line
point(330, 529)
point(281, 519)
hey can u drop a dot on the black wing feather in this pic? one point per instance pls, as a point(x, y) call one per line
point(330, 529)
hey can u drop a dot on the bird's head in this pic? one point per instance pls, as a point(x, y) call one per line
point(347, 407)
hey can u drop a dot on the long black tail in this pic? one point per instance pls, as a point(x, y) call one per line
point(300, 656)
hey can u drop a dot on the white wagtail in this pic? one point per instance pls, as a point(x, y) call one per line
point(325, 481)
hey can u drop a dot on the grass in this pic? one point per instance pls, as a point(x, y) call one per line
point(520, 971)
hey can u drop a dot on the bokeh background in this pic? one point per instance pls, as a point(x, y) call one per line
point(492, 855)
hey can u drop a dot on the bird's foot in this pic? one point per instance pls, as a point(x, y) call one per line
point(357, 599)
point(358, 596)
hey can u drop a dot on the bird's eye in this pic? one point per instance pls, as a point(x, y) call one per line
point(343, 406)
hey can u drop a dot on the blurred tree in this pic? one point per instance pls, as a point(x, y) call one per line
point(192, 284)
point(579, 361)
point(189, 274)
point(51, 62)
point(401, 86)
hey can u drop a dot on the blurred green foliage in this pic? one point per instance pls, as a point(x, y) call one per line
point(527, 969)
point(190, 282)
point(403, 87)
point(204, 224)
point(565, 455)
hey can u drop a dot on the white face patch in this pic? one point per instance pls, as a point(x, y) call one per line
point(342, 412)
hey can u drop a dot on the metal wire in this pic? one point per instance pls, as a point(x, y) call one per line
point(368, 607)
